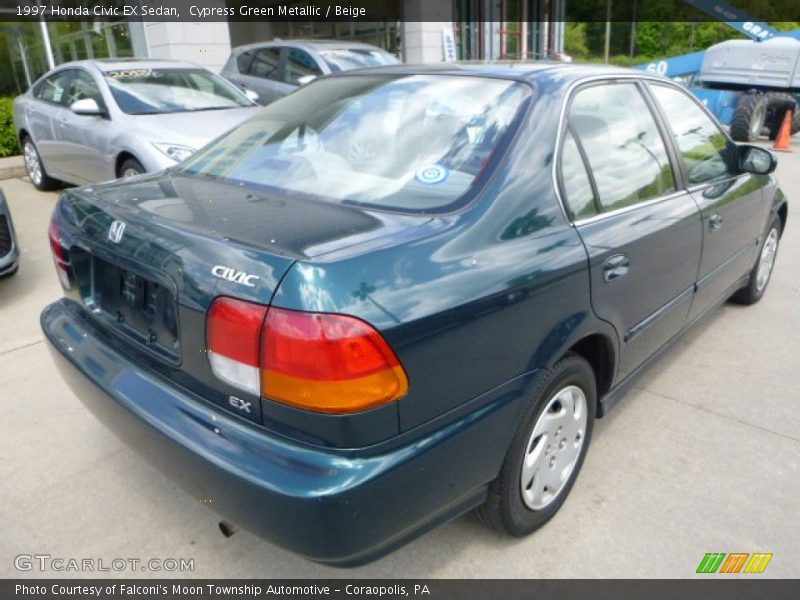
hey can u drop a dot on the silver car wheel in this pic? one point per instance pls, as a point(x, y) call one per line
point(554, 447)
point(32, 162)
point(767, 259)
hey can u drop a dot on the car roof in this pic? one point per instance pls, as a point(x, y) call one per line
point(308, 44)
point(516, 70)
point(115, 64)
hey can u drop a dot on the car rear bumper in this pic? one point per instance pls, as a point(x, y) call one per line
point(333, 506)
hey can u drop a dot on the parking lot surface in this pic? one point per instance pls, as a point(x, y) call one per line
point(703, 455)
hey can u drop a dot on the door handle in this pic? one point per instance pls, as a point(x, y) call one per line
point(615, 267)
point(715, 222)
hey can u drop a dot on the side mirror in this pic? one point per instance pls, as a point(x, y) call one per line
point(86, 107)
point(306, 79)
point(251, 95)
point(753, 159)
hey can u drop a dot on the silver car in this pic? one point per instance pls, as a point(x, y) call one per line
point(274, 69)
point(91, 121)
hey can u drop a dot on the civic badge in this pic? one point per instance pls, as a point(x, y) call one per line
point(115, 231)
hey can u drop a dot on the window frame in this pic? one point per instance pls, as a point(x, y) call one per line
point(684, 176)
point(661, 126)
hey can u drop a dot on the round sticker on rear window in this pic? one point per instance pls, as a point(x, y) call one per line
point(432, 174)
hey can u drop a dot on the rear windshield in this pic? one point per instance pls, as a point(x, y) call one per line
point(410, 143)
point(158, 91)
point(344, 59)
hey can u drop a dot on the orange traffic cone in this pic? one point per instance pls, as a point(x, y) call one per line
point(782, 141)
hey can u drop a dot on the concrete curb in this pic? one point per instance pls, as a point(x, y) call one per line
point(12, 167)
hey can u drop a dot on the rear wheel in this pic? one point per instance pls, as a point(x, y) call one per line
point(547, 451)
point(35, 168)
point(131, 168)
point(775, 103)
point(749, 117)
point(762, 270)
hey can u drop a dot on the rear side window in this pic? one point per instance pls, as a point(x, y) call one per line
point(300, 64)
point(243, 61)
point(575, 180)
point(707, 153)
point(626, 154)
point(266, 63)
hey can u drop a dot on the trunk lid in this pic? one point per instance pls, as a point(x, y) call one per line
point(150, 255)
point(186, 227)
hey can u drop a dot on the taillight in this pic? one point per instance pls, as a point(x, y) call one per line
point(316, 361)
point(233, 333)
point(327, 362)
point(59, 254)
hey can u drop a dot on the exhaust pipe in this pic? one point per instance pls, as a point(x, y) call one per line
point(227, 529)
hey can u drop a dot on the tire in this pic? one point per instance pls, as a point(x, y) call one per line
point(774, 121)
point(8, 274)
point(513, 504)
point(759, 279)
point(130, 168)
point(35, 168)
point(749, 117)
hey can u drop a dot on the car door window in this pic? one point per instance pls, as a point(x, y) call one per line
point(706, 152)
point(299, 63)
point(265, 64)
point(52, 88)
point(81, 86)
point(576, 185)
point(243, 61)
point(623, 146)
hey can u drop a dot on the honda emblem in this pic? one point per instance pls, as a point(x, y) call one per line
point(115, 231)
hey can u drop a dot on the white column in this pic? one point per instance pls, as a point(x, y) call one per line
point(423, 42)
point(48, 49)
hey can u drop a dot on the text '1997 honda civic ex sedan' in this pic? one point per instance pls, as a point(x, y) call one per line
point(404, 293)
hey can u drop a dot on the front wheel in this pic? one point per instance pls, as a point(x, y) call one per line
point(35, 168)
point(762, 270)
point(131, 168)
point(547, 452)
point(749, 117)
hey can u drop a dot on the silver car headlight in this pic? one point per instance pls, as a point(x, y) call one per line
point(176, 152)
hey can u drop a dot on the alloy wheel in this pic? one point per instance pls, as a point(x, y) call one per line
point(32, 162)
point(554, 447)
point(767, 259)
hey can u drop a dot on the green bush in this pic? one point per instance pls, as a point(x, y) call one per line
point(9, 145)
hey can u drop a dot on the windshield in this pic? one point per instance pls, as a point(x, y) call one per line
point(344, 59)
point(409, 143)
point(158, 91)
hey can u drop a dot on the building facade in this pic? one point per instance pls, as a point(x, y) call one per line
point(478, 29)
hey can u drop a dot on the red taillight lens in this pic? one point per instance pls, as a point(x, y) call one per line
point(233, 337)
point(316, 361)
point(327, 362)
point(59, 254)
